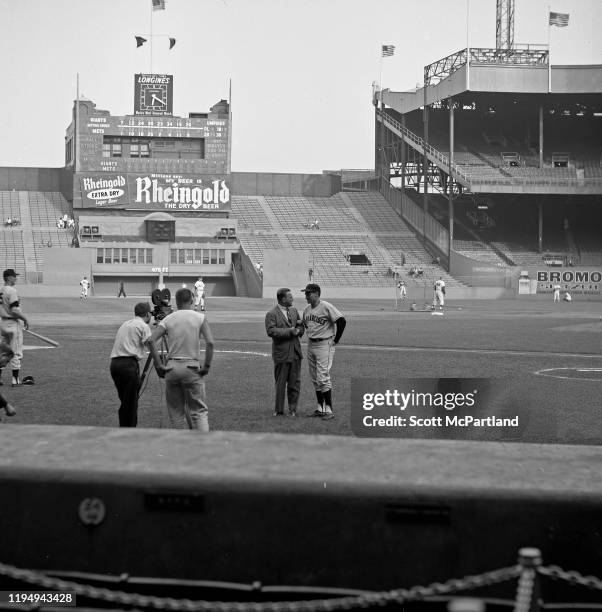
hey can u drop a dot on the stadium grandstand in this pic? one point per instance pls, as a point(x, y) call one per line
point(477, 179)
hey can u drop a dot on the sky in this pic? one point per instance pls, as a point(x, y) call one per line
point(301, 71)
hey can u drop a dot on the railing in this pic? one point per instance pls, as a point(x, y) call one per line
point(410, 136)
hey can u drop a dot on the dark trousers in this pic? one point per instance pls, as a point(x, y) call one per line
point(121, 292)
point(125, 373)
point(287, 376)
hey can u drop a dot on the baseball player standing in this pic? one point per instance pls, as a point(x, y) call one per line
point(325, 326)
point(10, 324)
point(85, 285)
point(557, 292)
point(401, 287)
point(439, 293)
point(199, 294)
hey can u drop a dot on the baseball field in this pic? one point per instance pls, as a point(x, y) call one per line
point(545, 359)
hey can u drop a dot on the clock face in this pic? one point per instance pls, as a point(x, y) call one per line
point(153, 98)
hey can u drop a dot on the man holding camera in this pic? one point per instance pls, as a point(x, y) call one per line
point(131, 342)
point(184, 385)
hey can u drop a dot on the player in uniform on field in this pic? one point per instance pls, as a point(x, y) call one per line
point(557, 292)
point(11, 327)
point(85, 285)
point(199, 294)
point(439, 293)
point(325, 326)
point(401, 287)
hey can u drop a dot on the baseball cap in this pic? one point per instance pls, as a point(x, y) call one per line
point(9, 272)
point(312, 287)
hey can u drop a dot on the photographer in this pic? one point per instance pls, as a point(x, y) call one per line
point(184, 385)
point(131, 342)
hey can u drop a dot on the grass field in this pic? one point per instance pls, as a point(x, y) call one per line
point(545, 358)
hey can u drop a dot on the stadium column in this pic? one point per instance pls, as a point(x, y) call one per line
point(425, 120)
point(541, 135)
point(450, 185)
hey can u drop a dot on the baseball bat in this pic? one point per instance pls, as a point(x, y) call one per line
point(44, 338)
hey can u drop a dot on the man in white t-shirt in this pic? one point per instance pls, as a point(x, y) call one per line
point(131, 342)
point(325, 326)
point(199, 294)
point(184, 384)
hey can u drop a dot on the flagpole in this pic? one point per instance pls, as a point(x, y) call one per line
point(229, 158)
point(151, 38)
point(467, 45)
point(549, 52)
point(382, 127)
point(76, 125)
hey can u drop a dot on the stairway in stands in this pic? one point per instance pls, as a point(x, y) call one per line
point(29, 254)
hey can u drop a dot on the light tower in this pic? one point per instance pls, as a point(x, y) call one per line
point(504, 24)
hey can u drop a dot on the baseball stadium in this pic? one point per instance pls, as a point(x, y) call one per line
point(484, 203)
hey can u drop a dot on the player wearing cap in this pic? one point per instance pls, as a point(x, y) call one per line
point(6, 354)
point(325, 326)
point(557, 289)
point(85, 285)
point(439, 292)
point(199, 294)
point(10, 322)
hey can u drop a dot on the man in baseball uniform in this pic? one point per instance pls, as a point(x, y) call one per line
point(199, 294)
point(13, 322)
point(6, 354)
point(557, 292)
point(85, 285)
point(401, 287)
point(325, 326)
point(439, 293)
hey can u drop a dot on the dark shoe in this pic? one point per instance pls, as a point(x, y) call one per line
point(328, 416)
point(10, 411)
point(318, 413)
point(278, 413)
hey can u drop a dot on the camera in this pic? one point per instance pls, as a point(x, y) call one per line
point(161, 300)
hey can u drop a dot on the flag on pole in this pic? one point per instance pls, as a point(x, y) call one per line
point(158, 5)
point(172, 42)
point(388, 50)
point(559, 19)
point(139, 41)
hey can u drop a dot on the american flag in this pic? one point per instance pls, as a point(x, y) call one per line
point(158, 5)
point(559, 19)
point(388, 50)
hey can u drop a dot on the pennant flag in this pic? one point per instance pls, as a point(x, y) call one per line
point(559, 19)
point(172, 42)
point(388, 50)
point(139, 41)
point(158, 5)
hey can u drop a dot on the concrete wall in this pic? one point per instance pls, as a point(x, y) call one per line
point(186, 227)
point(280, 184)
point(252, 279)
point(285, 268)
point(480, 274)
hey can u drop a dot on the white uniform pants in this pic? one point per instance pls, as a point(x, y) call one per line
point(557, 295)
point(438, 298)
point(14, 328)
point(199, 299)
point(319, 359)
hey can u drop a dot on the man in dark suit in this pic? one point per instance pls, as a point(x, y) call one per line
point(283, 325)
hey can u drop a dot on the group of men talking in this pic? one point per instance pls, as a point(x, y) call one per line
point(324, 325)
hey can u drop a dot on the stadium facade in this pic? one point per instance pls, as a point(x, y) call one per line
point(488, 175)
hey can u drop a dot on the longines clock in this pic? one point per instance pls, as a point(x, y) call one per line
point(153, 94)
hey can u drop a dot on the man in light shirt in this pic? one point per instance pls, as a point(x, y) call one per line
point(131, 342)
point(184, 384)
